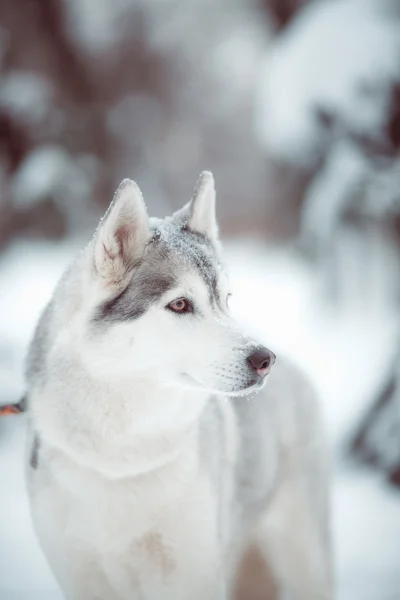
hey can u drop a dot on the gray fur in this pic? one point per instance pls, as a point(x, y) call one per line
point(34, 458)
point(256, 455)
point(35, 365)
point(136, 298)
point(171, 245)
point(212, 436)
point(149, 476)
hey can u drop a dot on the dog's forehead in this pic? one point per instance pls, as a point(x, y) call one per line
point(171, 253)
point(185, 250)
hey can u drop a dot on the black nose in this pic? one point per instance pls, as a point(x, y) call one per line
point(261, 360)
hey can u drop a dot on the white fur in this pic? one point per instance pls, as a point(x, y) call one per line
point(122, 234)
point(135, 497)
point(202, 207)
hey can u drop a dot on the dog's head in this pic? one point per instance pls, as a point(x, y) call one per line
point(160, 295)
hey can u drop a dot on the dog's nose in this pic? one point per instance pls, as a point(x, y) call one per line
point(261, 361)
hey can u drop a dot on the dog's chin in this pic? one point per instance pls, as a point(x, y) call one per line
point(248, 390)
point(189, 382)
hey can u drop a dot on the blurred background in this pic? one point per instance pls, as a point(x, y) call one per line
point(295, 107)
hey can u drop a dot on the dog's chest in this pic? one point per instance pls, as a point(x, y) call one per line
point(134, 531)
point(125, 516)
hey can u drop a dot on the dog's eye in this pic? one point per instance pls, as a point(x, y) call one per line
point(180, 305)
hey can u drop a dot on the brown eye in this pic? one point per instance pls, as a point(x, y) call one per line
point(180, 305)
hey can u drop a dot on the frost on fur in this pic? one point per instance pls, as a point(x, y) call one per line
point(122, 234)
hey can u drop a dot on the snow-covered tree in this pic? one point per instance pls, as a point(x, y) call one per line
point(328, 115)
point(156, 90)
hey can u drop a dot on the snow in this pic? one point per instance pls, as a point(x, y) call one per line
point(335, 57)
point(28, 274)
point(26, 96)
point(339, 59)
point(24, 573)
point(44, 173)
point(97, 26)
point(338, 56)
point(334, 185)
point(50, 172)
point(236, 58)
point(367, 533)
point(384, 437)
point(384, 187)
point(328, 344)
point(39, 174)
point(274, 296)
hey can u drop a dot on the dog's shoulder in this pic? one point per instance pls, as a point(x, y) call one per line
point(56, 315)
point(36, 356)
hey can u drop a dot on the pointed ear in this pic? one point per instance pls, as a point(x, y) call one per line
point(199, 214)
point(121, 236)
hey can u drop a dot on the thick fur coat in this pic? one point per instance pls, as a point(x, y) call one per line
point(156, 456)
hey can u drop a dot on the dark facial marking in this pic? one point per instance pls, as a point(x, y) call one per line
point(34, 460)
point(135, 299)
point(169, 248)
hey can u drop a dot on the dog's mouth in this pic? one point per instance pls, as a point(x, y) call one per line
point(250, 388)
point(190, 382)
point(236, 388)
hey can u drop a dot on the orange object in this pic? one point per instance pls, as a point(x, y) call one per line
point(9, 409)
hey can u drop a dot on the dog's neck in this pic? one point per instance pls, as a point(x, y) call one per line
point(155, 408)
point(119, 428)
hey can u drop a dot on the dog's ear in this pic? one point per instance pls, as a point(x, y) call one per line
point(122, 233)
point(199, 214)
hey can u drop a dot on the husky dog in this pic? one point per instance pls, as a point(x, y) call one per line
point(150, 473)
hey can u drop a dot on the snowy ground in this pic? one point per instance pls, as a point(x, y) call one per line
point(275, 295)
